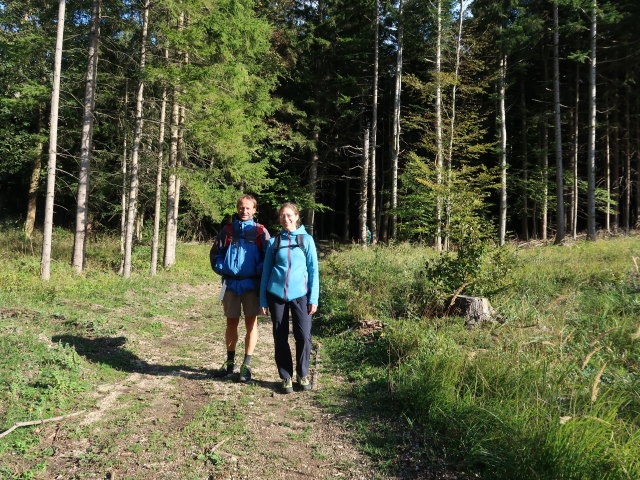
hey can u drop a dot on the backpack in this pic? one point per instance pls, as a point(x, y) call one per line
point(300, 245)
point(255, 236)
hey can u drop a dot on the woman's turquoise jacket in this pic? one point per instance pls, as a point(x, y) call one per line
point(291, 272)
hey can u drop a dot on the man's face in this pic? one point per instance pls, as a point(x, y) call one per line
point(246, 209)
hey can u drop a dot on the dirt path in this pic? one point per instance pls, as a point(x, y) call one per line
point(169, 419)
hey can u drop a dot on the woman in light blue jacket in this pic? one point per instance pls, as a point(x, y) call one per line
point(290, 283)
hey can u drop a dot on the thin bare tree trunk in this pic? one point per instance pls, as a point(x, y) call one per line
point(171, 226)
point(135, 148)
point(158, 198)
point(452, 130)
point(591, 156)
point(347, 194)
point(503, 148)
point(439, 152)
point(607, 160)
point(560, 218)
point(45, 262)
point(123, 171)
point(576, 144)
point(545, 177)
point(525, 162)
point(374, 131)
point(627, 171)
point(364, 189)
point(395, 151)
point(313, 181)
point(615, 166)
point(637, 224)
point(86, 143)
point(36, 169)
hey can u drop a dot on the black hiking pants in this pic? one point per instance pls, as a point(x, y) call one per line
point(301, 321)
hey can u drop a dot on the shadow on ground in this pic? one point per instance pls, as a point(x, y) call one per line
point(110, 351)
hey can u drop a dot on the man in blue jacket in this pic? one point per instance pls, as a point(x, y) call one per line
point(238, 255)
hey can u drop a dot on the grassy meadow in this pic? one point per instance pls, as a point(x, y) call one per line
point(552, 391)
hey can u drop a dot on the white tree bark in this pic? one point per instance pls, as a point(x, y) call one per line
point(560, 218)
point(452, 129)
point(503, 148)
point(45, 261)
point(576, 145)
point(627, 171)
point(171, 226)
point(591, 157)
point(364, 189)
point(438, 107)
point(135, 149)
point(86, 142)
point(123, 171)
point(395, 148)
point(158, 198)
point(374, 130)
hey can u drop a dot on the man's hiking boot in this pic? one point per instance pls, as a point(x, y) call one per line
point(225, 370)
point(245, 373)
point(304, 383)
point(287, 385)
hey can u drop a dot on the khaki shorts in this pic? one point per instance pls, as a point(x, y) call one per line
point(249, 301)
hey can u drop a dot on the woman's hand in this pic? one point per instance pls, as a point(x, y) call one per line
point(264, 311)
point(312, 308)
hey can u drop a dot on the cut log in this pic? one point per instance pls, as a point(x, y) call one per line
point(476, 310)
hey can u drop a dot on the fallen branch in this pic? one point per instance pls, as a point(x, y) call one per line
point(455, 295)
point(39, 422)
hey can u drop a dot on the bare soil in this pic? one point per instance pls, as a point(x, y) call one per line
point(170, 418)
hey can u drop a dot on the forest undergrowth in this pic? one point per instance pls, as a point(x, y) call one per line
point(551, 391)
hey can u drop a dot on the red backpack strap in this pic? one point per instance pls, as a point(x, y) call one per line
point(229, 230)
point(260, 236)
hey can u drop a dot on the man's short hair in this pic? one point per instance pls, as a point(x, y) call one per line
point(247, 197)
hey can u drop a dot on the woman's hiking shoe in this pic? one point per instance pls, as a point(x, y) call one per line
point(245, 373)
point(304, 383)
point(287, 385)
point(225, 369)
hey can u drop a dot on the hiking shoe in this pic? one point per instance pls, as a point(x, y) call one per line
point(226, 369)
point(245, 373)
point(304, 383)
point(287, 385)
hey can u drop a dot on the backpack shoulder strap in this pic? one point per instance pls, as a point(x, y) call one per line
point(230, 235)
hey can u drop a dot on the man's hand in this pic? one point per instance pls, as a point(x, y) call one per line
point(312, 308)
point(264, 311)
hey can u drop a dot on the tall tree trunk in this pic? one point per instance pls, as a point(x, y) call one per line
point(173, 184)
point(438, 107)
point(545, 177)
point(607, 160)
point(637, 224)
point(374, 130)
point(123, 172)
point(627, 169)
point(36, 169)
point(452, 129)
point(135, 148)
point(560, 220)
point(395, 150)
point(171, 226)
point(158, 198)
point(503, 148)
point(525, 162)
point(86, 142)
point(347, 195)
point(576, 146)
point(591, 156)
point(313, 181)
point(45, 261)
point(364, 190)
point(615, 166)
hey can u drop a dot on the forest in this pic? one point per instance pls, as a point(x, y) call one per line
point(431, 120)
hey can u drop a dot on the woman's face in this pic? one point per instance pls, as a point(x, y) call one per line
point(289, 219)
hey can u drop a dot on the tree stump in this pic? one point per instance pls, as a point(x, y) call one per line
point(476, 310)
